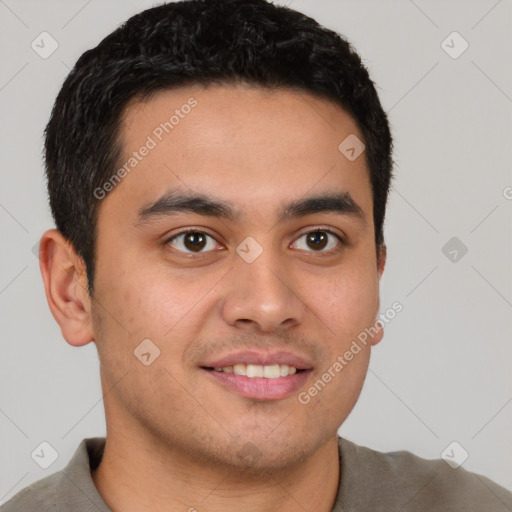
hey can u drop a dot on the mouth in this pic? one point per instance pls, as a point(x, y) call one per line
point(254, 371)
point(260, 376)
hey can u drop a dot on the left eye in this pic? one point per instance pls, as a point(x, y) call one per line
point(316, 241)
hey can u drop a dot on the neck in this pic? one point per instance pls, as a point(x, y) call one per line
point(143, 475)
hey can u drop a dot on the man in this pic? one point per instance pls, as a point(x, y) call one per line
point(218, 171)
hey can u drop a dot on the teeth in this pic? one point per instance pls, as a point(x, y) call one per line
point(239, 369)
point(287, 370)
point(271, 372)
point(254, 370)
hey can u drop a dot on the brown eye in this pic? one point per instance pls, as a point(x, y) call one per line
point(318, 240)
point(192, 241)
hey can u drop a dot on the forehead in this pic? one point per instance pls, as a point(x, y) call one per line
point(254, 147)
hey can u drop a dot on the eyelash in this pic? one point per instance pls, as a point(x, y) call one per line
point(315, 230)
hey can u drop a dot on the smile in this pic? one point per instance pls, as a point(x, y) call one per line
point(274, 371)
point(249, 381)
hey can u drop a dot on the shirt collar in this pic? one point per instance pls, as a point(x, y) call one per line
point(76, 490)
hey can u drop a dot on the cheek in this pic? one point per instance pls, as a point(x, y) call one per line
point(141, 300)
point(158, 303)
point(347, 301)
point(335, 389)
point(348, 305)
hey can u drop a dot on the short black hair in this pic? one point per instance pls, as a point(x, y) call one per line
point(188, 43)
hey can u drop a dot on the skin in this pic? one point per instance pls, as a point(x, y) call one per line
point(174, 435)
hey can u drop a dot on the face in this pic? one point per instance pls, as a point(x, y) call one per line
point(275, 264)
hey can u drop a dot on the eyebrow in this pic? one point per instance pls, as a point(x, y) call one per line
point(173, 202)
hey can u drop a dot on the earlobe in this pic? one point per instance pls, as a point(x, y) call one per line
point(377, 337)
point(65, 284)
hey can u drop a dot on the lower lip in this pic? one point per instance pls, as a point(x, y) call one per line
point(259, 388)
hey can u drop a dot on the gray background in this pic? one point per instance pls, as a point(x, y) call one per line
point(442, 372)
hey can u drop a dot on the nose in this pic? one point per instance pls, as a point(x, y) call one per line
point(263, 295)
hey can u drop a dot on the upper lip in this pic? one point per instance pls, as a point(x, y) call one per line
point(260, 358)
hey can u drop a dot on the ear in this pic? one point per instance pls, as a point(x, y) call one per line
point(381, 263)
point(382, 252)
point(65, 283)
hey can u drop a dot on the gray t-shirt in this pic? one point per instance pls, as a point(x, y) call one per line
point(370, 481)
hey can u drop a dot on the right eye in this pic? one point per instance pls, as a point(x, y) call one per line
point(192, 241)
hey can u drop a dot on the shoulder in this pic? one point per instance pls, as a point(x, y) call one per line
point(72, 488)
point(36, 497)
point(415, 484)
